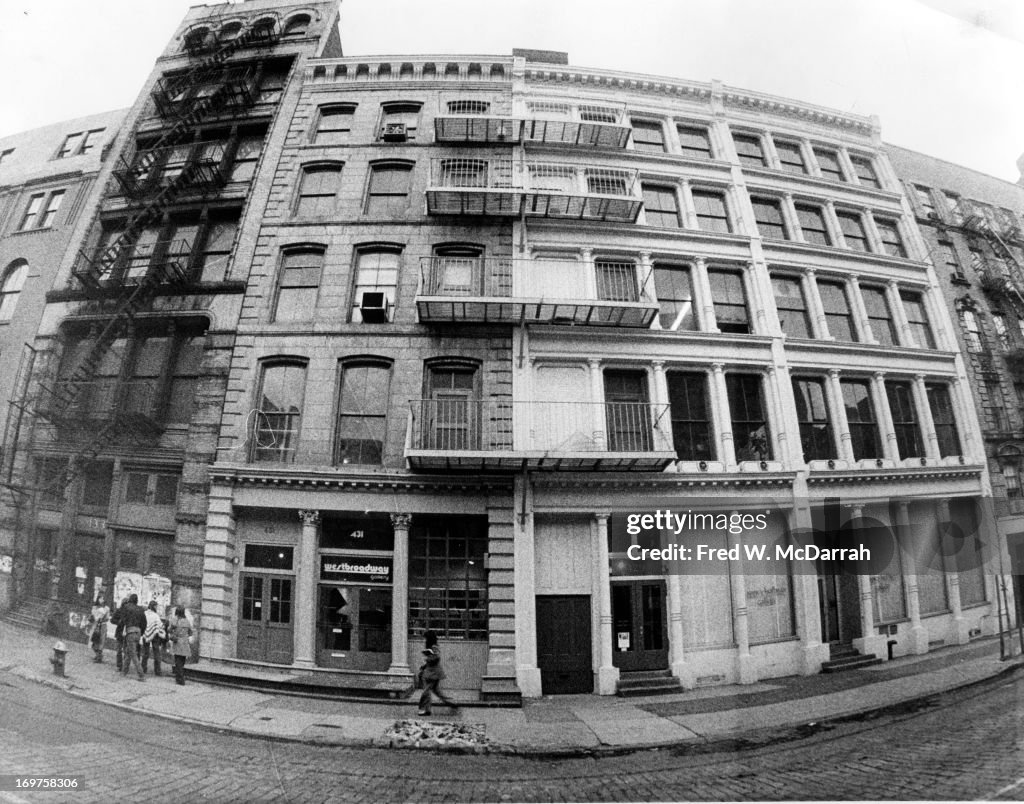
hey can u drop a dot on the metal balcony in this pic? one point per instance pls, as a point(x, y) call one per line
point(124, 407)
point(460, 186)
point(507, 290)
point(125, 264)
point(575, 125)
point(503, 435)
point(230, 88)
point(155, 169)
point(477, 129)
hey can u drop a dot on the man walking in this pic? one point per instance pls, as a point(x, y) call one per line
point(152, 639)
point(432, 676)
point(134, 624)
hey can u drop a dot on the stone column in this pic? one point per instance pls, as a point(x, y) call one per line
point(589, 274)
point(400, 596)
point(680, 668)
point(688, 208)
point(746, 672)
point(889, 447)
point(815, 309)
point(598, 420)
point(660, 415)
point(524, 592)
point(874, 238)
point(778, 435)
point(899, 315)
point(842, 424)
point(645, 278)
point(305, 591)
point(964, 427)
point(931, 438)
point(790, 219)
point(703, 303)
point(859, 312)
point(808, 614)
point(961, 631)
point(835, 232)
point(607, 673)
point(870, 642)
point(723, 419)
point(906, 540)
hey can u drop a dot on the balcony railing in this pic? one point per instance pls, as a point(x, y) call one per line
point(128, 406)
point(496, 130)
point(508, 290)
point(231, 88)
point(163, 261)
point(464, 186)
point(153, 170)
point(504, 435)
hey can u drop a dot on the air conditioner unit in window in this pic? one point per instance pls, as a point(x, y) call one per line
point(373, 306)
point(394, 132)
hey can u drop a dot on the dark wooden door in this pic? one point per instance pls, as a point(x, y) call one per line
point(639, 630)
point(564, 644)
point(265, 623)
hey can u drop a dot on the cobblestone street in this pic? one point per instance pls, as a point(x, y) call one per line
point(963, 745)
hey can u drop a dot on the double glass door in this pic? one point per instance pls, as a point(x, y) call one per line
point(354, 627)
point(639, 633)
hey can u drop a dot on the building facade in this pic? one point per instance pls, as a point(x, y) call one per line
point(403, 341)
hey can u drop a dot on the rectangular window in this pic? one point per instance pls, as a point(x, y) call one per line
point(865, 171)
point(35, 203)
point(362, 413)
point(300, 284)
point(749, 150)
point(218, 240)
point(812, 413)
point(278, 413)
point(90, 140)
point(947, 254)
point(71, 145)
point(828, 164)
point(892, 243)
point(247, 154)
point(1018, 390)
point(627, 412)
point(997, 406)
point(388, 194)
point(712, 213)
point(837, 310)
point(852, 228)
point(953, 211)
point(695, 142)
point(691, 419)
point(97, 483)
point(860, 414)
point(904, 419)
point(399, 122)
point(333, 125)
point(917, 316)
point(941, 406)
point(1011, 477)
point(879, 317)
point(186, 373)
point(791, 158)
point(616, 281)
point(768, 216)
point(792, 307)
point(318, 188)
point(660, 207)
point(972, 331)
point(1002, 335)
point(648, 136)
point(675, 297)
point(376, 279)
point(730, 301)
point(924, 200)
point(812, 224)
point(51, 209)
point(749, 421)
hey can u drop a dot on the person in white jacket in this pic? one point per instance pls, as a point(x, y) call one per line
point(153, 639)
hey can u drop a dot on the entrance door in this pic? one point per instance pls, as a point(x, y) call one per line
point(354, 627)
point(839, 608)
point(265, 629)
point(44, 552)
point(639, 636)
point(563, 644)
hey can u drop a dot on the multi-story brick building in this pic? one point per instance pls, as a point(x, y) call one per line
point(471, 312)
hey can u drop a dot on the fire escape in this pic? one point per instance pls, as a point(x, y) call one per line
point(78, 409)
point(1010, 280)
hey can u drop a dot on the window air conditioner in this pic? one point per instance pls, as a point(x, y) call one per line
point(374, 307)
point(394, 132)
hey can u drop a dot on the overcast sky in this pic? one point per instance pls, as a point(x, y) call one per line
point(944, 76)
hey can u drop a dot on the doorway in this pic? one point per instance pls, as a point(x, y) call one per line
point(639, 633)
point(265, 627)
point(564, 645)
point(838, 607)
point(354, 627)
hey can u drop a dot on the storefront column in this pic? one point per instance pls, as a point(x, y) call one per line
point(607, 673)
point(400, 596)
point(677, 656)
point(869, 642)
point(808, 615)
point(905, 538)
point(961, 631)
point(745, 670)
point(305, 591)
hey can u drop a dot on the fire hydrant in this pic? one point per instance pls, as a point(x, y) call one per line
point(60, 652)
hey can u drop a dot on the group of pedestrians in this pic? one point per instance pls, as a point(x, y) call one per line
point(140, 634)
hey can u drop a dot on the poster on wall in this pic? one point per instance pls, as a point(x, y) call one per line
point(125, 584)
point(6, 564)
point(158, 588)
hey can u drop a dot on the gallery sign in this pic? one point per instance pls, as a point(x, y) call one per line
point(360, 569)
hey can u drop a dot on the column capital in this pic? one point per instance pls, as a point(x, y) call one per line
point(401, 521)
point(594, 362)
point(602, 516)
point(892, 283)
point(309, 517)
point(834, 373)
point(718, 368)
point(919, 377)
point(701, 262)
point(811, 272)
point(879, 376)
point(853, 281)
point(659, 365)
point(587, 253)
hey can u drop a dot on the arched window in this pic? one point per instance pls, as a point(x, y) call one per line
point(362, 410)
point(376, 277)
point(10, 286)
point(297, 25)
point(229, 31)
point(299, 283)
point(278, 412)
point(197, 40)
point(318, 189)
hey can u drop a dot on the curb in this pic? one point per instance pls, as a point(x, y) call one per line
point(736, 741)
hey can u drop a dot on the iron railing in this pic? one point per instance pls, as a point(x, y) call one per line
point(161, 260)
point(157, 168)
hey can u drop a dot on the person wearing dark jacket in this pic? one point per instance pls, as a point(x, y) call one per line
point(134, 622)
point(117, 618)
point(432, 675)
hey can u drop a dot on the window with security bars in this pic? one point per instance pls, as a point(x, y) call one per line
point(865, 170)
point(828, 164)
point(648, 136)
point(712, 212)
point(730, 301)
point(792, 306)
point(812, 224)
point(749, 150)
point(692, 435)
point(278, 413)
point(468, 107)
point(447, 576)
point(598, 114)
point(616, 281)
point(661, 207)
point(791, 158)
point(749, 418)
point(673, 285)
point(892, 242)
point(362, 412)
point(812, 414)
point(627, 411)
point(852, 227)
point(861, 418)
point(606, 182)
point(695, 142)
point(904, 418)
point(463, 173)
point(768, 217)
point(941, 405)
point(879, 316)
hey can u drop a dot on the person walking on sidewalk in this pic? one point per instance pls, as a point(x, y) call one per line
point(98, 619)
point(152, 639)
point(432, 676)
point(134, 624)
point(118, 620)
point(180, 634)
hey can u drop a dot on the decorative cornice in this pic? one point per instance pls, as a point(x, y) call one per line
point(901, 475)
point(325, 480)
point(666, 482)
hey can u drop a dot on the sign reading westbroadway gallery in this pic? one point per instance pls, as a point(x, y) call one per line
point(355, 568)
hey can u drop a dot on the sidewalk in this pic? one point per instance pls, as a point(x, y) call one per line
point(571, 724)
